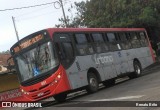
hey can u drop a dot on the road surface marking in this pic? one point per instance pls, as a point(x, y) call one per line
point(120, 98)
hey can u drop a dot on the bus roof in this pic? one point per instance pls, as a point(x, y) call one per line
point(92, 29)
point(53, 30)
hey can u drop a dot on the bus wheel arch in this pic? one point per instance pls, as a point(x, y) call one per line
point(60, 97)
point(93, 78)
point(137, 69)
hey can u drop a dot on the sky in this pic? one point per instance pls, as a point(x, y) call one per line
point(28, 20)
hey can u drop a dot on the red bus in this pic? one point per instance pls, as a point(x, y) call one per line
point(56, 61)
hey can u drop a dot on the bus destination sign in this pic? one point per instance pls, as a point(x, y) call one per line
point(28, 43)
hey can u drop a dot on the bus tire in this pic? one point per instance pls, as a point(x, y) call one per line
point(93, 83)
point(60, 97)
point(109, 82)
point(137, 70)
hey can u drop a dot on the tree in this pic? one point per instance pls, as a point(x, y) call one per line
point(76, 21)
point(119, 13)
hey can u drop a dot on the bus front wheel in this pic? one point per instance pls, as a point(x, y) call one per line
point(60, 97)
point(137, 70)
point(93, 84)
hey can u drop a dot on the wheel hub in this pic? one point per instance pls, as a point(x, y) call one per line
point(93, 82)
point(138, 70)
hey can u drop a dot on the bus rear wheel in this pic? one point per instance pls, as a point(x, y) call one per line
point(93, 83)
point(60, 97)
point(137, 70)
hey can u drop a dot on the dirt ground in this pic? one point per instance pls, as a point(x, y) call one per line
point(8, 82)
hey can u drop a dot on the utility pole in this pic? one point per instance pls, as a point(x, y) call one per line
point(65, 20)
point(15, 28)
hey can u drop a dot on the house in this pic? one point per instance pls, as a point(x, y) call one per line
point(3, 61)
point(4, 58)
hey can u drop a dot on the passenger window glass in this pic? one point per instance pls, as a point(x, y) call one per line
point(81, 38)
point(134, 40)
point(97, 37)
point(111, 37)
point(142, 35)
point(99, 45)
point(122, 36)
point(83, 46)
point(143, 39)
point(113, 46)
point(68, 50)
point(125, 44)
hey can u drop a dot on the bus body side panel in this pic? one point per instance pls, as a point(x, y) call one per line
point(77, 73)
point(145, 57)
point(106, 60)
point(120, 62)
point(142, 54)
point(103, 63)
point(109, 67)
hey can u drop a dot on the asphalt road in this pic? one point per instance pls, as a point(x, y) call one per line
point(125, 92)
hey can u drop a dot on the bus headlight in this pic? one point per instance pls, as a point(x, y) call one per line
point(24, 92)
point(59, 76)
point(56, 79)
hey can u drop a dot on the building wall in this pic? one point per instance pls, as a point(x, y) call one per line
point(3, 59)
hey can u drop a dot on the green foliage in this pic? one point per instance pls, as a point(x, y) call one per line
point(76, 21)
point(115, 13)
point(118, 13)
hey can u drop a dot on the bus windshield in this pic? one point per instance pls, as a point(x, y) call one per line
point(37, 61)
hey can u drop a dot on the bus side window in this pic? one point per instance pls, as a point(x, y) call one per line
point(98, 43)
point(134, 40)
point(68, 50)
point(65, 52)
point(124, 41)
point(83, 45)
point(60, 50)
point(112, 42)
point(64, 48)
point(143, 39)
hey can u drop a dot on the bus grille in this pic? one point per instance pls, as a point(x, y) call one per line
point(36, 80)
point(44, 94)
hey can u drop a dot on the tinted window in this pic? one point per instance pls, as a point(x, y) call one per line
point(99, 45)
point(62, 38)
point(112, 42)
point(143, 39)
point(142, 35)
point(64, 47)
point(97, 37)
point(82, 44)
point(111, 37)
point(81, 38)
point(124, 42)
point(134, 40)
point(122, 36)
point(68, 50)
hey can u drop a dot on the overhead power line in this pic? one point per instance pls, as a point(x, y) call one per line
point(29, 6)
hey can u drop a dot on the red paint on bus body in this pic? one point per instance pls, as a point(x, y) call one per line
point(12, 95)
point(55, 84)
point(150, 47)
